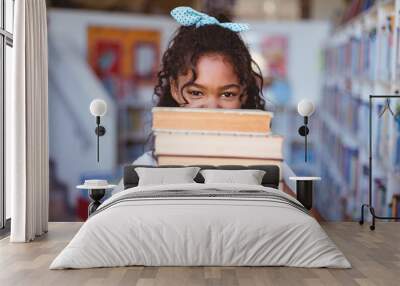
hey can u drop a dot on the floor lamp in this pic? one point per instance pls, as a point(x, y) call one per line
point(369, 205)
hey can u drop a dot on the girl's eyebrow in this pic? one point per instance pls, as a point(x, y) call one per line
point(230, 86)
point(195, 85)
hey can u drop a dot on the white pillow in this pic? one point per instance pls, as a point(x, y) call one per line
point(163, 176)
point(249, 177)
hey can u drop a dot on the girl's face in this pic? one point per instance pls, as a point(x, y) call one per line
point(216, 85)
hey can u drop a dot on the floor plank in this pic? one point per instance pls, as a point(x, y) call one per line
point(374, 255)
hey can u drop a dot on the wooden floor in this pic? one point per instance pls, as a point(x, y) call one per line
point(375, 257)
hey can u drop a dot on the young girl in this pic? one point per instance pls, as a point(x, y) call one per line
point(206, 65)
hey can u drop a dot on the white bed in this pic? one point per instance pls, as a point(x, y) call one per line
point(225, 225)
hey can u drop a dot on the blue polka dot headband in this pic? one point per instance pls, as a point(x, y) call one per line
point(187, 16)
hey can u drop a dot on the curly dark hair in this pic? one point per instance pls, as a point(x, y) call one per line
point(190, 43)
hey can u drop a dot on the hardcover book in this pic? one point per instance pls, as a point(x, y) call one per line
point(218, 144)
point(206, 119)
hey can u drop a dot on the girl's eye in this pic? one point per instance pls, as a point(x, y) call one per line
point(228, 94)
point(195, 92)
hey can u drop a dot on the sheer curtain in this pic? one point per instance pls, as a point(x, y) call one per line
point(27, 124)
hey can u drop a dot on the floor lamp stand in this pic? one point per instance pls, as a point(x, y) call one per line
point(369, 205)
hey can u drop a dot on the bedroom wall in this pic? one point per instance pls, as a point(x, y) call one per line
point(72, 138)
point(71, 77)
point(69, 26)
point(305, 42)
point(72, 85)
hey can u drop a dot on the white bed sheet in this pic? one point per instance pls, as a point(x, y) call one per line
point(200, 231)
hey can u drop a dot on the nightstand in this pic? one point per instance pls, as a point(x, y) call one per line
point(97, 190)
point(304, 190)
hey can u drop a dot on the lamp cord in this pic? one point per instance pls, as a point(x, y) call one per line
point(305, 154)
point(98, 136)
point(98, 142)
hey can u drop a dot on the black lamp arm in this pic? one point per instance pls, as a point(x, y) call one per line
point(100, 131)
point(305, 138)
point(303, 131)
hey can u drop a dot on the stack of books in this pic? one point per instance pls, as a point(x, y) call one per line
point(189, 136)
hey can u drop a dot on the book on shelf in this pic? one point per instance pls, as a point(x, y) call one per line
point(219, 144)
point(135, 119)
point(372, 46)
point(132, 129)
point(356, 8)
point(357, 56)
point(206, 119)
point(396, 159)
point(397, 47)
point(386, 48)
point(379, 195)
point(395, 205)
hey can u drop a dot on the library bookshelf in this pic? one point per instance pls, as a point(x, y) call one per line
point(134, 125)
point(362, 58)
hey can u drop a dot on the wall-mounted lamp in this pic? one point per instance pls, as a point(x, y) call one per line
point(305, 108)
point(98, 108)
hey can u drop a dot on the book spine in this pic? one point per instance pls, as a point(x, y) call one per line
point(203, 121)
point(216, 145)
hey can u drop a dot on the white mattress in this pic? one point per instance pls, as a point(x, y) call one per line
point(183, 231)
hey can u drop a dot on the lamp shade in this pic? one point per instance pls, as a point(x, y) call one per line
point(305, 108)
point(98, 107)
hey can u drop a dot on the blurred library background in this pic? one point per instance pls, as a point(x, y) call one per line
point(333, 52)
